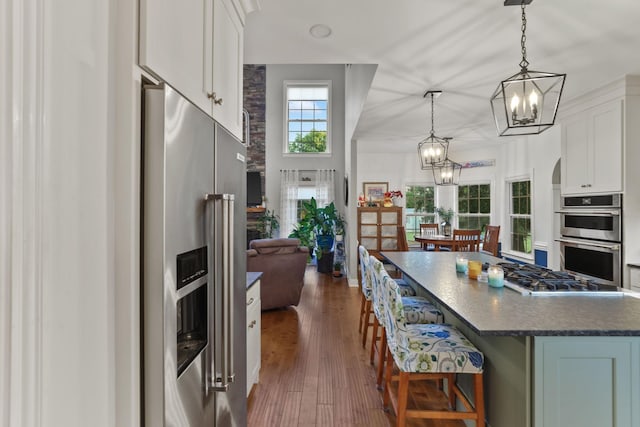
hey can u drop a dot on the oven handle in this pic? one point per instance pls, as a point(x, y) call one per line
point(588, 212)
point(612, 247)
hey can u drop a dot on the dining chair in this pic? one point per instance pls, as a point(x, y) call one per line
point(466, 240)
point(428, 230)
point(490, 242)
point(403, 245)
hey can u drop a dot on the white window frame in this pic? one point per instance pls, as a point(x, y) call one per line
point(306, 83)
point(510, 252)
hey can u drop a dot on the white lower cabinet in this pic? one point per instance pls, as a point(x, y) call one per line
point(253, 335)
point(587, 381)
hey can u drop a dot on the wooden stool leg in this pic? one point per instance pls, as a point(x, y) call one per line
point(374, 338)
point(387, 379)
point(381, 353)
point(450, 393)
point(367, 314)
point(363, 302)
point(479, 400)
point(403, 397)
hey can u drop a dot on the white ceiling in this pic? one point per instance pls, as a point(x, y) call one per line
point(462, 47)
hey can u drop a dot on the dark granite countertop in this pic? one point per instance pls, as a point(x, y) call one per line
point(252, 278)
point(502, 311)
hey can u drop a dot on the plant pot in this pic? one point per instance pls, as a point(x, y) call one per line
point(337, 274)
point(446, 228)
point(325, 262)
point(325, 242)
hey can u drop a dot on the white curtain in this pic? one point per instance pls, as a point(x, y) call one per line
point(325, 193)
point(289, 183)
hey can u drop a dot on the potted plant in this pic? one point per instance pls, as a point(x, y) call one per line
point(337, 269)
point(266, 223)
point(317, 229)
point(446, 215)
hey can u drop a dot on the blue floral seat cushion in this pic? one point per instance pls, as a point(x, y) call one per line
point(419, 310)
point(405, 289)
point(436, 348)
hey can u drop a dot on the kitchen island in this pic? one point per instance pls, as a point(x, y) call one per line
point(551, 361)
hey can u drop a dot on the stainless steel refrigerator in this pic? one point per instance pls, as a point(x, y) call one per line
point(194, 281)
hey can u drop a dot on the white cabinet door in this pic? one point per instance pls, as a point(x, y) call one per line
point(576, 159)
point(592, 150)
point(228, 45)
point(174, 45)
point(606, 134)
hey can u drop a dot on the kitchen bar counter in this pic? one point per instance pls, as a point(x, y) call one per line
point(504, 312)
point(550, 361)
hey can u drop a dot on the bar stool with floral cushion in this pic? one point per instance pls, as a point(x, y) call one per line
point(418, 310)
point(428, 351)
point(365, 287)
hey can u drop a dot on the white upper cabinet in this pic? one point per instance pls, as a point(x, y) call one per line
point(592, 149)
point(228, 36)
point(196, 46)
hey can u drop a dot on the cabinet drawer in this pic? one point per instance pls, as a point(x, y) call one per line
point(253, 295)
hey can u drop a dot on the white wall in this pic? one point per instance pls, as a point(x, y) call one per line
point(68, 329)
point(274, 137)
point(514, 157)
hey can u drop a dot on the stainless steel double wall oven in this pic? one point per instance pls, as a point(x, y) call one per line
point(591, 242)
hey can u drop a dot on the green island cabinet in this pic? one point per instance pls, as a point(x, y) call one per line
point(586, 381)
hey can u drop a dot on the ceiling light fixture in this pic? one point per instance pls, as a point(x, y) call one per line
point(432, 150)
point(447, 173)
point(320, 31)
point(527, 102)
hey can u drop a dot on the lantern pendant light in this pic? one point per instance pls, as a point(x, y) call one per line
point(447, 173)
point(432, 150)
point(527, 102)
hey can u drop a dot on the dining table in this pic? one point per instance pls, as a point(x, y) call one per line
point(438, 241)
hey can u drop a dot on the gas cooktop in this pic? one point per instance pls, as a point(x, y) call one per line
point(536, 280)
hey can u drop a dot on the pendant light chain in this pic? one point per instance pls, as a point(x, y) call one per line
point(524, 63)
point(432, 114)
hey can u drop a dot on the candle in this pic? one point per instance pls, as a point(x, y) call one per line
point(461, 264)
point(496, 276)
point(475, 267)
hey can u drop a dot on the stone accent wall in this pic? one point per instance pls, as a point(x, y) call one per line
point(254, 98)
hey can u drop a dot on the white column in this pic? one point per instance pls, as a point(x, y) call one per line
point(21, 213)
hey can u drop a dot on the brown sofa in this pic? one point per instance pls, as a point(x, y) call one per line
point(282, 262)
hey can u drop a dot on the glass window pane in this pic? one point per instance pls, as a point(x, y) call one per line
point(485, 206)
point(515, 189)
point(473, 191)
point(463, 191)
point(463, 206)
point(473, 206)
point(485, 191)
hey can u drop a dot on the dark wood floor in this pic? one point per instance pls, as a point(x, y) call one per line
point(314, 369)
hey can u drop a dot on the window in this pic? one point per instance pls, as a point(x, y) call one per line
point(307, 117)
point(520, 216)
point(419, 208)
point(474, 206)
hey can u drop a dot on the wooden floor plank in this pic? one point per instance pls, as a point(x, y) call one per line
point(314, 370)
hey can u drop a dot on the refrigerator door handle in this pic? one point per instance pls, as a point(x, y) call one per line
point(220, 354)
point(229, 286)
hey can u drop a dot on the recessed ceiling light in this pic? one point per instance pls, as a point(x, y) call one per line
point(320, 31)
